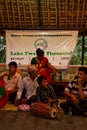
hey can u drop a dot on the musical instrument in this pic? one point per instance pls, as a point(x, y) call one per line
point(43, 110)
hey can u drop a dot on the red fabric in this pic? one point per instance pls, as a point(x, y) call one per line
point(44, 70)
point(2, 89)
point(42, 67)
point(1, 83)
point(4, 100)
point(46, 73)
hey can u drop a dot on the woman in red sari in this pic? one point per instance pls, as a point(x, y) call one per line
point(43, 65)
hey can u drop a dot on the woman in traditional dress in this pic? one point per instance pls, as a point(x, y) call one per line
point(43, 65)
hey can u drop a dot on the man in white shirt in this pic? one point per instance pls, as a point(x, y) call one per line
point(29, 84)
point(12, 80)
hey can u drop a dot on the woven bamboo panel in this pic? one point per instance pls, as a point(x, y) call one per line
point(43, 14)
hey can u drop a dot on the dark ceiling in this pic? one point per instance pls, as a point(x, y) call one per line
point(43, 14)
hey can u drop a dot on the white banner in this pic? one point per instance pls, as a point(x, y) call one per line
point(58, 46)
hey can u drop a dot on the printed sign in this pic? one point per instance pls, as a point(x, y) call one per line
point(58, 46)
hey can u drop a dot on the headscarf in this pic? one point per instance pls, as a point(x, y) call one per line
point(32, 68)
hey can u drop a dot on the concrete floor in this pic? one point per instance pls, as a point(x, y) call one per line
point(17, 120)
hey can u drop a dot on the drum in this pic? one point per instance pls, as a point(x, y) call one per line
point(43, 110)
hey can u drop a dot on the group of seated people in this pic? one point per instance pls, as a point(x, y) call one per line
point(32, 88)
point(36, 88)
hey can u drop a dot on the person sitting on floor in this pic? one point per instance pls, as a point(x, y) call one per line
point(76, 93)
point(12, 80)
point(26, 92)
point(46, 94)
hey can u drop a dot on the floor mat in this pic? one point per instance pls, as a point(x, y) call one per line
point(9, 106)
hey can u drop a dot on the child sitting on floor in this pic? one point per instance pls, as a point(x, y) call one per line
point(46, 94)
